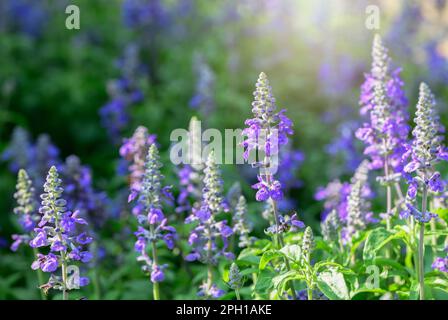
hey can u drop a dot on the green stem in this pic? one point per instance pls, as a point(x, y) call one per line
point(64, 277)
point(96, 277)
point(155, 286)
point(421, 246)
point(281, 244)
point(388, 199)
point(237, 292)
point(40, 277)
point(309, 293)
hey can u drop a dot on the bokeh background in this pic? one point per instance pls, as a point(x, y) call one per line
point(157, 63)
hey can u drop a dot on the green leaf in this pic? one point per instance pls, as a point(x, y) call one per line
point(264, 281)
point(249, 256)
point(333, 285)
point(377, 239)
point(268, 256)
point(332, 265)
point(293, 252)
point(281, 280)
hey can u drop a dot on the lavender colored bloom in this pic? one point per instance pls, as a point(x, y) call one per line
point(426, 150)
point(209, 238)
point(204, 237)
point(290, 163)
point(153, 226)
point(26, 209)
point(19, 152)
point(210, 291)
point(135, 150)
point(124, 92)
point(58, 229)
point(26, 16)
point(80, 194)
point(383, 98)
point(241, 228)
point(144, 13)
point(269, 129)
point(338, 74)
point(344, 144)
point(334, 196)
point(440, 264)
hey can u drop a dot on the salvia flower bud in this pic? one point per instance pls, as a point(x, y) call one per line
point(241, 227)
point(26, 209)
point(235, 277)
point(307, 243)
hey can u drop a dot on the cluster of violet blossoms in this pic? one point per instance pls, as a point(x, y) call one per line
point(80, 193)
point(60, 230)
point(26, 209)
point(209, 239)
point(346, 205)
point(191, 175)
point(124, 92)
point(266, 132)
point(135, 151)
point(440, 263)
point(427, 149)
point(153, 225)
point(382, 96)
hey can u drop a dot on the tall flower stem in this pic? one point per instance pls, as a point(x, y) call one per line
point(237, 293)
point(155, 287)
point(421, 246)
point(309, 293)
point(63, 258)
point(64, 277)
point(388, 199)
point(388, 195)
point(281, 244)
point(40, 276)
point(96, 276)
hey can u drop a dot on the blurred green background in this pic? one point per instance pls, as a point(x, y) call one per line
point(57, 81)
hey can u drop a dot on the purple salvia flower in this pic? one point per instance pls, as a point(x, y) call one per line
point(426, 150)
point(269, 129)
point(58, 229)
point(152, 222)
point(440, 264)
point(209, 238)
point(383, 98)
